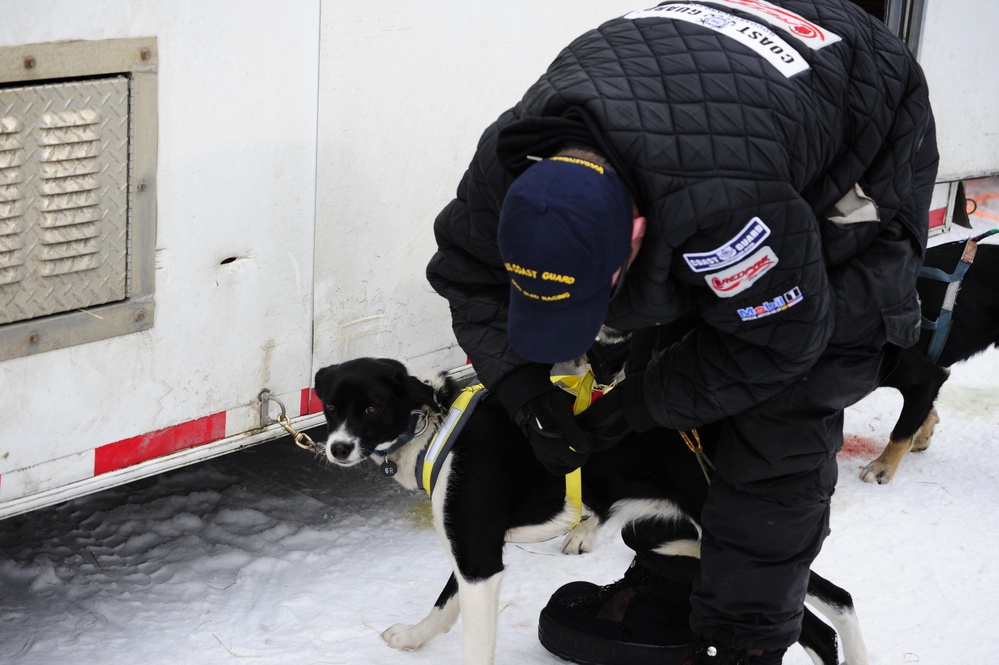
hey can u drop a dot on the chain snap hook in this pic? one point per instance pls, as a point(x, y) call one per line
point(283, 420)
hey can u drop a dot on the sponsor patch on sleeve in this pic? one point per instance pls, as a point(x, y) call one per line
point(737, 248)
point(742, 275)
point(810, 34)
point(760, 39)
point(776, 305)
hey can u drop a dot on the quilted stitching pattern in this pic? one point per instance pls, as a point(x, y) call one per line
point(712, 136)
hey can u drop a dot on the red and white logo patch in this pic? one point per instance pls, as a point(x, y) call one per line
point(742, 275)
point(813, 36)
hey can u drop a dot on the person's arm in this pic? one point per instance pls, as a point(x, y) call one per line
point(762, 332)
point(767, 317)
point(468, 271)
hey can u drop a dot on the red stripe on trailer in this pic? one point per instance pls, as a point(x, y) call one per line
point(310, 402)
point(937, 217)
point(125, 453)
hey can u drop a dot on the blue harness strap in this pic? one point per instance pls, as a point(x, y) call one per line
point(941, 326)
point(388, 467)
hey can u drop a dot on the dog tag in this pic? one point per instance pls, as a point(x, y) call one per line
point(388, 468)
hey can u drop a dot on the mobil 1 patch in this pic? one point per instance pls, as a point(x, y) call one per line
point(776, 305)
point(746, 241)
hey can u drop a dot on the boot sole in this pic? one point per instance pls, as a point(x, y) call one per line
point(586, 649)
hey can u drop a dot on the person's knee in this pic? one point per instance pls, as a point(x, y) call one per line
point(788, 521)
point(814, 484)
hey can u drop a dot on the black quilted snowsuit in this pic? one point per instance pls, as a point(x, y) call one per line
point(786, 182)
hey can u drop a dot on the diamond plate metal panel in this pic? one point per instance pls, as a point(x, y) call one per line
point(63, 197)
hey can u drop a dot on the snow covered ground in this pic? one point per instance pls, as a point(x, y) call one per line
point(269, 556)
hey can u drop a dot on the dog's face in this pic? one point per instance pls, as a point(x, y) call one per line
point(368, 404)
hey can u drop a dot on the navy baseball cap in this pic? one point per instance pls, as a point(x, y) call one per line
point(564, 229)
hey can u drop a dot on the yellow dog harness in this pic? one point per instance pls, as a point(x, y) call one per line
point(427, 467)
point(432, 457)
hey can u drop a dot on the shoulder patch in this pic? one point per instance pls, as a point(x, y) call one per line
point(738, 247)
point(742, 275)
point(811, 35)
point(760, 39)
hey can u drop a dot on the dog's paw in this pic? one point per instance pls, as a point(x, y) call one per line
point(404, 637)
point(877, 472)
point(583, 538)
point(882, 469)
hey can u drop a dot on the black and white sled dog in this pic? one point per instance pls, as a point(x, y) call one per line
point(973, 328)
point(491, 490)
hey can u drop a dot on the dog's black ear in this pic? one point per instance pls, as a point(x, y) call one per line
point(322, 377)
point(418, 391)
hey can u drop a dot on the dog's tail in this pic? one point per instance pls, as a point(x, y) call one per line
point(445, 390)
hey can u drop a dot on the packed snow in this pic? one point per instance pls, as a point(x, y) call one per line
point(271, 556)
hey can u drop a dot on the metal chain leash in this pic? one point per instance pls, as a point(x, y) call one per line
point(283, 420)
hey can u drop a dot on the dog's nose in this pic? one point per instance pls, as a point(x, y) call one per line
point(341, 451)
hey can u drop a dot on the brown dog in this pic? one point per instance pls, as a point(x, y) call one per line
point(973, 329)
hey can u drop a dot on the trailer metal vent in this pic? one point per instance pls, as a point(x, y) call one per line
point(77, 211)
point(63, 231)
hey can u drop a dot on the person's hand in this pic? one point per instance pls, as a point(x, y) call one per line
point(559, 443)
point(605, 420)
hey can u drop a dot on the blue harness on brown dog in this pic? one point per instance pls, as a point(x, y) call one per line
point(941, 326)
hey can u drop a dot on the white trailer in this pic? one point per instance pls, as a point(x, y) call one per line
point(203, 202)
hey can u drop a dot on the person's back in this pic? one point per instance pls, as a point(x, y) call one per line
point(711, 134)
point(782, 159)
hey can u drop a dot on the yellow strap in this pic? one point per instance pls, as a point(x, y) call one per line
point(582, 387)
point(444, 433)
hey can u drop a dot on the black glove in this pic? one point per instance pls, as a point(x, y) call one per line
point(605, 420)
point(544, 413)
point(616, 414)
point(559, 443)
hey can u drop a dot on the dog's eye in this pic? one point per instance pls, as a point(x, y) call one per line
point(371, 410)
point(330, 409)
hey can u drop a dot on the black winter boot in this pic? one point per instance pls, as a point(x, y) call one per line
point(642, 619)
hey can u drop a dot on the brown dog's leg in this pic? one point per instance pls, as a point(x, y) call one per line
point(921, 441)
point(884, 467)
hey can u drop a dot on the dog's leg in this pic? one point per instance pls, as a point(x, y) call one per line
point(583, 538)
point(818, 640)
point(922, 440)
point(836, 604)
point(476, 554)
point(440, 620)
point(884, 467)
point(480, 602)
point(919, 381)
